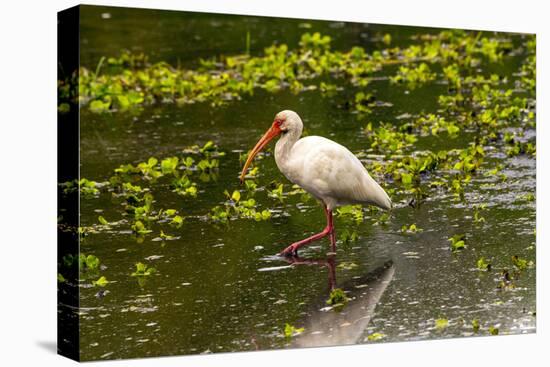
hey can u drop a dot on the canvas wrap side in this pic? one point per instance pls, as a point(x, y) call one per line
point(68, 47)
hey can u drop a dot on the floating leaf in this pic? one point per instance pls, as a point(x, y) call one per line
point(102, 220)
point(441, 324)
point(101, 282)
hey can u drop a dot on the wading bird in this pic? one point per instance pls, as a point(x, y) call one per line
point(325, 169)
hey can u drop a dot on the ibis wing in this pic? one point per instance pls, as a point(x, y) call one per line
point(333, 174)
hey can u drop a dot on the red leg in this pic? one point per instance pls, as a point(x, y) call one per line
point(329, 230)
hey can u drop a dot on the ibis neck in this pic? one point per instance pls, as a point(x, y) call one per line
point(284, 146)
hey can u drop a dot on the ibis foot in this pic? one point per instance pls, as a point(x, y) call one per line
point(290, 251)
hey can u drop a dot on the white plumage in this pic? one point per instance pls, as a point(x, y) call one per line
point(329, 172)
point(322, 167)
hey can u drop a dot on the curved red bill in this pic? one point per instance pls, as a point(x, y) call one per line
point(273, 131)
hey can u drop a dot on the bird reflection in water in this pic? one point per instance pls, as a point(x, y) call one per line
point(326, 326)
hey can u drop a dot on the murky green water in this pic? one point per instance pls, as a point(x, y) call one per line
point(217, 288)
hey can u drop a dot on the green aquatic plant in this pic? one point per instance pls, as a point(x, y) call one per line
point(375, 337)
point(235, 208)
point(169, 165)
point(520, 263)
point(122, 85)
point(351, 212)
point(478, 208)
point(387, 139)
point(291, 331)
point(277, 192)
point(410, 229)
point(441, 324)
point(435, 124)
point(184, 186)
point(139, 228)
point(102, 221)
point(413, 76)
point(337, 298)
point(348, 236)
point(101, 282)
point(475, 325)
point(88, 262)
point(457, 242)
point(87, 188)
point(143, 270)
point(177, 221)
point(483, 265)
point(165, 237)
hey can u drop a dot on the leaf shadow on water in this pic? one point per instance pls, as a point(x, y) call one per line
point(344, 324)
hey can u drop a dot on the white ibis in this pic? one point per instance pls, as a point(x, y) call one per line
point(323, 168)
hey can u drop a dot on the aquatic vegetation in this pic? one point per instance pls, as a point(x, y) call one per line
point(475, 325)
point(86, 262)
point(441, 324)
point(483, 265)
point(457, 242)
point(493, 330)
point(86, 187)
point(290, 331)
point(120, 85)
point(435, 124)
point(375, 337)
point(337, 298)
point(177, 221)
point(101, 282)
point(520, 263)
point(165, 237)
point(351, 212)
point(277, 192)
point(348, 236)
point(478, 208)
point(184, 186)
point(143, 270)
point(139, 228)
point(235, 208)
point(102, 221)
point(386, 139)
point(410, 229)
point(413, 76)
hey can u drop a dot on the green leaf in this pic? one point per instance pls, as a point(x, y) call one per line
point(101, 282)
point(169, 165)
point(143, 270)
point(475, 325)
point(170, 212)
point(406, 178)
point(92, 262)
point(177, 221)
point(291, 331)
point(441, 324)
point(236, 196)
point(375, 337)
point(102, 220)
point(337, 297)
point(482, 264)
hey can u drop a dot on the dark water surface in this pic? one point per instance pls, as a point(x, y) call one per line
point(217, 288)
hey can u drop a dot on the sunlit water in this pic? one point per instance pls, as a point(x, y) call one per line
point(218, 288)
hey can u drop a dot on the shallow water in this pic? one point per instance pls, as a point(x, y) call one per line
point(218, 288)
